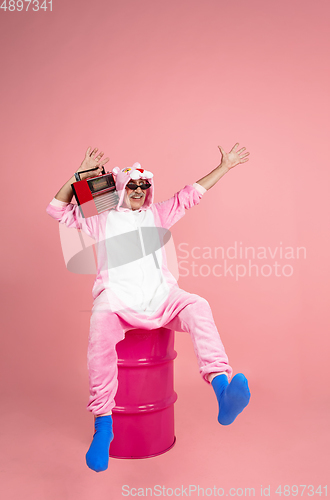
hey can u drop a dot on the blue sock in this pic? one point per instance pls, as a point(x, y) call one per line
point(97, 457)
point(232, 398)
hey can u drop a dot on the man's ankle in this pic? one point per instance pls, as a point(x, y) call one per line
point(103, 414)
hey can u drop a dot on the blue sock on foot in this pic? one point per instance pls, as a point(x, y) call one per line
point(232, 398)
point(97, 457)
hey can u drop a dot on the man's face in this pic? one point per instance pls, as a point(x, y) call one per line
point(134, 199)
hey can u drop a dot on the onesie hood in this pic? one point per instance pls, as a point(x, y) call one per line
point(123, 176)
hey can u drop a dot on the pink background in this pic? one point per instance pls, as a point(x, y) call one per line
point(164, 83)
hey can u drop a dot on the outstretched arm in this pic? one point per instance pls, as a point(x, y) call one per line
point(228, 161)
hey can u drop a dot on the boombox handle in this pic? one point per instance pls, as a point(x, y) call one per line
point(77, 174)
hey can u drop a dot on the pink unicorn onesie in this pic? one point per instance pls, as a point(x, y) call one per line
point(135, 289)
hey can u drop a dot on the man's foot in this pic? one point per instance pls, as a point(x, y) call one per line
point(232, 398)
point(97, 457)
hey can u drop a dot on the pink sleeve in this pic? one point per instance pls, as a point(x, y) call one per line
point(70, 215)
point(170, 211)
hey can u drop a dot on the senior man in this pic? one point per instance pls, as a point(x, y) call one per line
point(140, 291)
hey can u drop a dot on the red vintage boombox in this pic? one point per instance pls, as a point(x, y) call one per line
point(96, 194)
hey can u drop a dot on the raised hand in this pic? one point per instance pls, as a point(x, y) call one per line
point(234, 157)
point(92, 159)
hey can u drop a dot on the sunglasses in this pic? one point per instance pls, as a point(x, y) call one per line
point(133, 186)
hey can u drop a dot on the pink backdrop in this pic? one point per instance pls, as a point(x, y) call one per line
point(164, 83)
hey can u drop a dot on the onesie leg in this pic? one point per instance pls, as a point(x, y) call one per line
point(232, 398)
point(97, 457)
point(106, 330)
point(196, 318)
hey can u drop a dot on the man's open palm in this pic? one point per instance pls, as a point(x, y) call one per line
point(93, 159)
point(234, 157)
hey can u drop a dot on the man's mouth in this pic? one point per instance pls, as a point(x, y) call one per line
point(137, 197)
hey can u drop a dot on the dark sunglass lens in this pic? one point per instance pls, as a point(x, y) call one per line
point(134, 186)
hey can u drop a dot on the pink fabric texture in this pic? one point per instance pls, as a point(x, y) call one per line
point(112, 317)
point(183, 312)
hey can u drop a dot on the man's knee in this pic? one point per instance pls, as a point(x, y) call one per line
point(198, 307)
point(106, 324)
point(199, 302)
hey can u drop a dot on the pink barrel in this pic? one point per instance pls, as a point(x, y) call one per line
point(143, 418)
